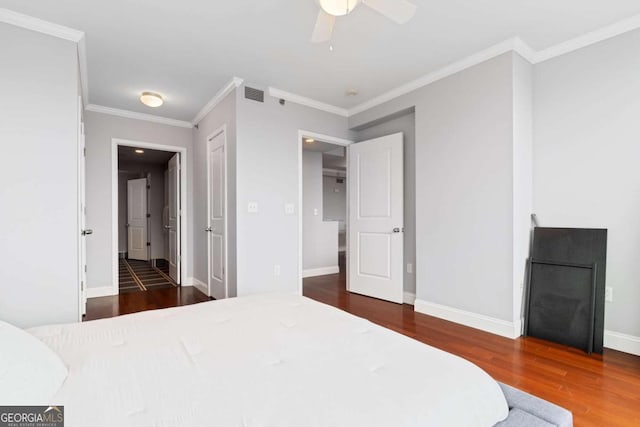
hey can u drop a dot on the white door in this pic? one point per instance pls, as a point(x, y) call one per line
point(216, 219)
point(174, 218)
point(82, 215)
point(376, 216)
point(137, 219)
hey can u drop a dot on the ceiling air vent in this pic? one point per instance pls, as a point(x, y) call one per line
point(254, 94)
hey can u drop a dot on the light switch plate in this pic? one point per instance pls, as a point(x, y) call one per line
point(252, 207)
point(315, 212)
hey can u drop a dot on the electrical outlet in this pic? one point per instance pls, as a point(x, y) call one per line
point(409, 268)
point(252, 207)
point(315, 212)
point(608, 294)
point(276, 269)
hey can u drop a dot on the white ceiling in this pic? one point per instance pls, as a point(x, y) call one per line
point(187, 50)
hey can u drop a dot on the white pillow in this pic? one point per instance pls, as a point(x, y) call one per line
point(30, 372)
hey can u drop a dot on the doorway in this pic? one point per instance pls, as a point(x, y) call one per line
point(149, 220)
point(322, 221)
point(324, 207)
point(373, 227)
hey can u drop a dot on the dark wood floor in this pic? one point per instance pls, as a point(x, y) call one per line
point(599, 390)
point(132, 302)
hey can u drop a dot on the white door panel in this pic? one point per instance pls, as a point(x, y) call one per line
point(376, 215)
point(137, 219)
point(82, 214)
point(174, 222)
point(216, 221)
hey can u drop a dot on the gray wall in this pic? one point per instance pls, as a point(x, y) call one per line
point(39, 214)
point(464, 187)
point(99, 130)
point(319, 237)
point(223, 114)
point(586, 157)
point(267, 173)
point(155, 173)
point(406, 123)
point(334, 204)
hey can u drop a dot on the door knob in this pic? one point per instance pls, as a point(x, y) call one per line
point(168, 227)
point(396, 230)
point(208, 229)
point(87, 232)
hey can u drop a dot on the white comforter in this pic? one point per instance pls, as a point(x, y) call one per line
point(274, 360)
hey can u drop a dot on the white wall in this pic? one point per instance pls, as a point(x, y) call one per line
point(224, 114)
point(319, 237)
point(100, 129)
point(267, 173)
point(405, 123)
point(586, 157)
point(39, 192)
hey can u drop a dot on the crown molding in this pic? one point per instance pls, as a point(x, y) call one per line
point(234, 83)
point(514, 44)
point(30, 23)
point(604, 33)
point(138, 116)
point(302, 100)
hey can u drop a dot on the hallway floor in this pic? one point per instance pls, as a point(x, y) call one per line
point(135, 276)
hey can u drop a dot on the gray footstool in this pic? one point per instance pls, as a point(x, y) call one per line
point(526, 410)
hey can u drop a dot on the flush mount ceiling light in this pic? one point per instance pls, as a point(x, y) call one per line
point(151, 99)
point(309, 140)
point(139, 151)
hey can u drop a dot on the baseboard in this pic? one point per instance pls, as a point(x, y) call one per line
point(201, 286)
point(312, 272)
point(103, 291)
point(622, 342)
point(467, 318)
point(409, 298)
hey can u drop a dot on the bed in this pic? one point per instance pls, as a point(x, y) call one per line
point(269, 360)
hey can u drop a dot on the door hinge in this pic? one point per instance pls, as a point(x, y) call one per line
point(84, 151)
point(148, 187)
point(81, 285)
point(85, 268)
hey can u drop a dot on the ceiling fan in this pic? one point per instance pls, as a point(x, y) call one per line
point(399, 11)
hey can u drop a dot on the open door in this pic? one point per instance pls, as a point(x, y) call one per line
point(376, 215)
point(174, 218)
point(216, 219)
point(137, 219)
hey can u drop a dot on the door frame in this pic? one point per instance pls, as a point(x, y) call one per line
point(221, 130)
point(324, 138)
point(184, 214)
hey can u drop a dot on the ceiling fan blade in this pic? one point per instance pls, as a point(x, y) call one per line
point(399, 11)
point(324, 27)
